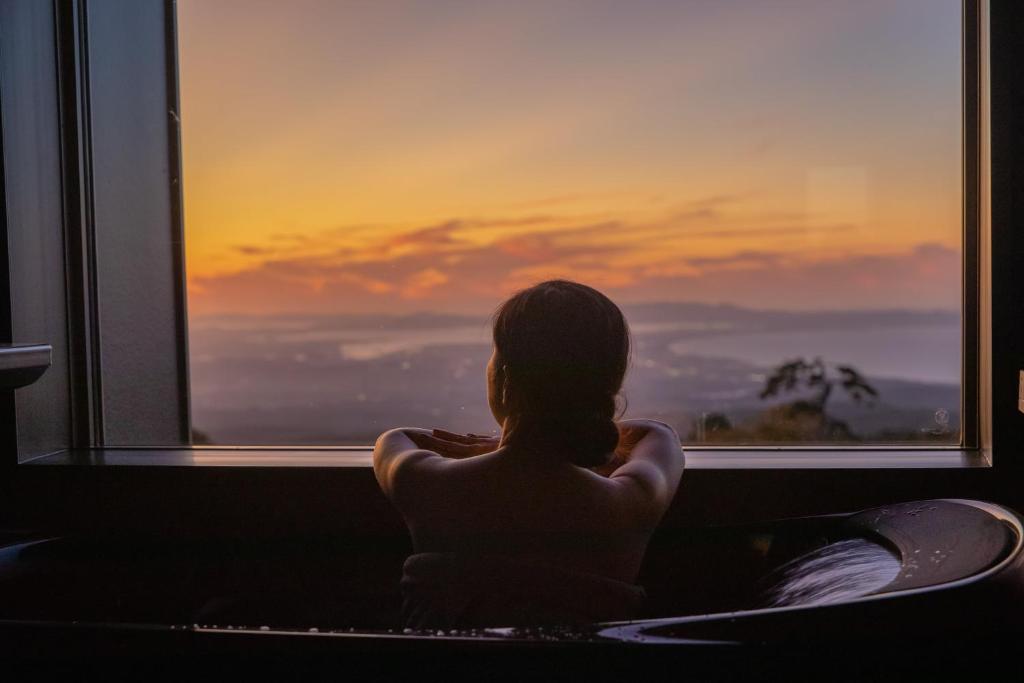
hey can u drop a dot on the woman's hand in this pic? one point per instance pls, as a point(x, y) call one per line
point(452, 445)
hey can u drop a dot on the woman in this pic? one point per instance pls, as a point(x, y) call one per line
point(547, 523)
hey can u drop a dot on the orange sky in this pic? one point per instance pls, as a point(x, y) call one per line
point(346, 156)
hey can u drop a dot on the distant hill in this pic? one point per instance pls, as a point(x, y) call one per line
point(768, 319)
point(723, 315)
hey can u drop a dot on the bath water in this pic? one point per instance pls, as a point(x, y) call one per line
point(838, 571)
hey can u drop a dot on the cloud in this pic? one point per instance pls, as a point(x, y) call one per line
point(250, 250)
point(926, 276)
point(452, 265)
point(513, 222)
point(771, 232)
point(704, 208)
point(418, 285)
point(746, 257)
point(290, 237)
point(432, 236)
point(570, 198)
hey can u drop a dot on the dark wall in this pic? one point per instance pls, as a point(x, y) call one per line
point(278, 502)
point(1007, 142)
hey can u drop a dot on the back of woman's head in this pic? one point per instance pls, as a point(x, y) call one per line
point(563, 350)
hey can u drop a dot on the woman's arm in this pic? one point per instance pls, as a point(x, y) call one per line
point(654, 463)
point(396, 457)
point(453, 445)
point(407, 452)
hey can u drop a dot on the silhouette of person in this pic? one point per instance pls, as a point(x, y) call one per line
point(548, 521)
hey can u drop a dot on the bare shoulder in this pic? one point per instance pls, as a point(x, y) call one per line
point(648, 481)
point(401, 467)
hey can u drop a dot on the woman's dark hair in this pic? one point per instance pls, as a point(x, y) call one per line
point(563, 349)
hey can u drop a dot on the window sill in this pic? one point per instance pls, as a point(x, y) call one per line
point(332, 491)
point(802, 458)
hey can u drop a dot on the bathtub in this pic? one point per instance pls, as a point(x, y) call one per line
point(956, 590)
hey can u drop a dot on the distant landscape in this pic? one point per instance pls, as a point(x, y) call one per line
point(343, 379)
point(428, 159)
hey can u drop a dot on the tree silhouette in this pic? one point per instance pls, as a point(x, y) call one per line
point(800, 374)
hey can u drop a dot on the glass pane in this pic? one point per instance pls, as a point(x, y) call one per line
point(771, 191)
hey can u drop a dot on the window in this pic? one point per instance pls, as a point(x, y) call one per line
point(773, 192)
point(92, 236)
point(91, 233)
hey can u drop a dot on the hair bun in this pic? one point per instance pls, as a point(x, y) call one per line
point(589, 443)
point(589, 436)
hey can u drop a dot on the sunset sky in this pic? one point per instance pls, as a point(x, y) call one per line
point(435, 155)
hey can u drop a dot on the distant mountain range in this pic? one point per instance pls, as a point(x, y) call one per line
point(735, 317)
point(749, 318)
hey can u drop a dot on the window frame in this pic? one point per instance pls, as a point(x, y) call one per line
point(90, 139)
point(974, 447)
point(96, 467)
